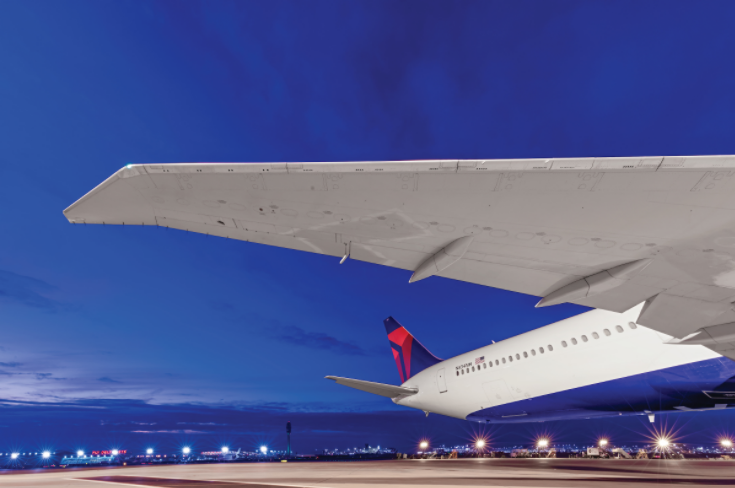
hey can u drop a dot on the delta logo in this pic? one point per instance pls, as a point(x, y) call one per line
point(400, 341)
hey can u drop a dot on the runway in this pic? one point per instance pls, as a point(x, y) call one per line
point(387, 474)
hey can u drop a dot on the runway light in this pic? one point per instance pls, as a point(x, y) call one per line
point(480, 443)
point(542, 443)
point(603, 442)
point(149, 451)
point(263, 449)
point(14, 455)
point(225, 450)
point(662, 442)
point(726, 443)
point(115, 452)
point(186, 450)
point(423, 445)
point(80, 453)
point(46, 454)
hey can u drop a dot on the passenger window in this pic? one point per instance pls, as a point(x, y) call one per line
point(584, 338)
point(541, 350)
point(491, 364)
point(473, 369)
point(525, 354)
point(462, 371)
point(595, 335)
point(606, 331)
point(503, 360)
point(563, 343)
point(458, 373)
point(484, 365)
point(574, 341)
point(468, 370)
point(533, 352)
point(551, 348)
point(518, 356)
point(632, 325)
point(496, 362)
point(618, 328)
point(510, 358)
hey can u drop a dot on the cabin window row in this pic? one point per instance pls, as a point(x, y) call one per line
point(595, 335)
point(503, 360)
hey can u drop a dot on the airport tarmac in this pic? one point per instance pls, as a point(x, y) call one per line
point(386, 474)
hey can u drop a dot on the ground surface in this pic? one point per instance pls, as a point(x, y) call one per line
point(435, 473)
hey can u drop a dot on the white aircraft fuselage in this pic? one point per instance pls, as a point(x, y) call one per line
point(596, 364)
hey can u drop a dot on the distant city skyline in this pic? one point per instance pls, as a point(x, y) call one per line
point(142, 336)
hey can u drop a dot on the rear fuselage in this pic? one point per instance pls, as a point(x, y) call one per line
point(595, 364)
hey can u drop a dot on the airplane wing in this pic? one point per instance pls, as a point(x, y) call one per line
point(606, 233)
point(381, 389)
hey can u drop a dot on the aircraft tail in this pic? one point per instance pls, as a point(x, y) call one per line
point(410, 355)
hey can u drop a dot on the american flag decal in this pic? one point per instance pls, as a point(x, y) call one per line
point(480, 360)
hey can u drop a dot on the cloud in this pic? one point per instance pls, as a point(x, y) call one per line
point(130, 421)
point(26, 291)
point(47, 376)
point(107, 379)
point(315, 340)
point(294, 335)
point(198, 423)
point(177, 431)
point(11, 364)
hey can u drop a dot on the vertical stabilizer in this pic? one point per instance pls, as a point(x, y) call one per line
point(411, 357)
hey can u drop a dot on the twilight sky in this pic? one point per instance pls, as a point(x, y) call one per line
point(138, 336)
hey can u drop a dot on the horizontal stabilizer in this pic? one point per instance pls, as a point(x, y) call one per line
point(381, 389)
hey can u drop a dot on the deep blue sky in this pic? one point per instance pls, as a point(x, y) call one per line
point(158, 336)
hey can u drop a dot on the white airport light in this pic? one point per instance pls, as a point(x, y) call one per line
point(46, 454)
point(423, 445)
point(149, 451)
point(225, 450)
point(115, 452)
point(263, 449)
point(662, 442)
point(480, 443)
point(542, 443)
point(186, 450)
point(14, 455)
point(726, 443)
point(603, 442)
point(80, 453)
